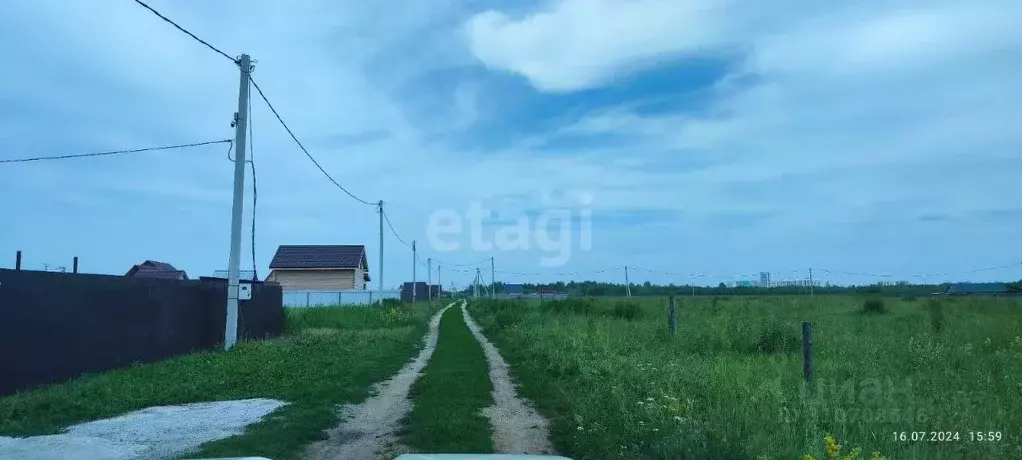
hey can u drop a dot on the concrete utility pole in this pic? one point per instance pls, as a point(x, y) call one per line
point(429, 279)
point(414, 284)
point(234, 262)
point(628, 285)
point(438, 282)
point(475, 285)
point(493, 281)
point(811, 287)
point(379, 282)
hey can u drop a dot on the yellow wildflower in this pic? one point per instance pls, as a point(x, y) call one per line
point(833, 448)
point(854, 454)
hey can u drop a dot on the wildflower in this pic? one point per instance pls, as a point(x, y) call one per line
point(649, 399)
point(641, 403)
point(833, 448)
point(580, 428)
point(677, 418)
point(854, 454)
point(656, 429)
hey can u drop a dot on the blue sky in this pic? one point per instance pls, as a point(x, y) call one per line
point(717, 138)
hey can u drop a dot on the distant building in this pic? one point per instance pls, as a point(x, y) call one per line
point(743, 283)
point(320, 268)
point(156, 269)
point(995, 289)
point(513, 289)
point(764, 279)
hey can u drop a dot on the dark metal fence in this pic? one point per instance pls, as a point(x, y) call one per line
point(57, 326)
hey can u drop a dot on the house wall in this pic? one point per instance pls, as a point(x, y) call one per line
point(360, 279)
point(315, 280)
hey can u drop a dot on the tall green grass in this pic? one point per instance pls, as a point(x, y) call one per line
point(729, 385)
point(328, 356)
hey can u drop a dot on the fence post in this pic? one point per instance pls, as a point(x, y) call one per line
point(673, 317)
point(339, 299)
point(307, 299)
point(75, 269)
point(371, 298)
point(807, 352)
point(17, 261)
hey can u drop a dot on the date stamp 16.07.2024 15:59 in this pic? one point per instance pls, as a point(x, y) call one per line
point(947, 436)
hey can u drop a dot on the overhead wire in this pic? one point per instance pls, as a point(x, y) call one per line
point(116, 152)
point(386, 218)
point(301, 146)
point(182, 29)
point(255, 188)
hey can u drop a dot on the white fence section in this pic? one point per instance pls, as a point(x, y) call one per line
point(302, 299)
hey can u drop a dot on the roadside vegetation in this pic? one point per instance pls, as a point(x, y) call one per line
point(616, 384)
point(327, 357)
point(448, 398)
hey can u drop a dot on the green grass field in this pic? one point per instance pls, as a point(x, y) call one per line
point(327, 357)
point(447, 399)
point(616, 384)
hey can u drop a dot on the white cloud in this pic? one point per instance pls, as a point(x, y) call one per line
point(575, 44)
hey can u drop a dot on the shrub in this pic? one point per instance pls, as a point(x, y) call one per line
point(874, 307)
point(775, 338)
point(390, 303)
point(936, 309)
point(627, 310)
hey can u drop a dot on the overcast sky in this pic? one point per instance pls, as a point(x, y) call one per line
point(713, 139)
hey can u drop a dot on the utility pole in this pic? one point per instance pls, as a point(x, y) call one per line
point(429, 279)
point(438, 282)
point(234, 262)
point(379, 281)
point(493, 281)
point(475, 285)
point(811, 287)
point(415, 285)
point(628, 285)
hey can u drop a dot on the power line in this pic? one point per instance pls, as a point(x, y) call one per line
point(182, 29)
point(255, 189)
point(386, 218)
point(118, 152)
point(286, 128)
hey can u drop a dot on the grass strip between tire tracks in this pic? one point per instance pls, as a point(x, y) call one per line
point(447, 399)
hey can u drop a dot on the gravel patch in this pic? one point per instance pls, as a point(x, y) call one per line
point(156, 433)
point(517, 427)
point(368, 431)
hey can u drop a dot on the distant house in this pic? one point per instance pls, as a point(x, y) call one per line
point(247, 275)
point(421, 291)
point(995, 289)
point(155, 269)
point(320, 268)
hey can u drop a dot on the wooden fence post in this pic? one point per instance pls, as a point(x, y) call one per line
point(672, 319)
point(17, 261)
point(807, 351)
